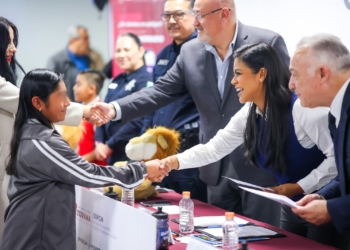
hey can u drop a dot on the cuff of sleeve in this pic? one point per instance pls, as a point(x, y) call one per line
point(118, 111)
point(144, 169)
point(307, 186)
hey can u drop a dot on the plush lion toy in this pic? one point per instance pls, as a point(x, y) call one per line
point(155, 143)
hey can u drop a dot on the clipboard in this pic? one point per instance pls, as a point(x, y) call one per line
point(266, 233)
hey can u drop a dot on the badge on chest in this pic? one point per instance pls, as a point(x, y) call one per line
point(113, 85)
point(130, 85)
point(163, 62)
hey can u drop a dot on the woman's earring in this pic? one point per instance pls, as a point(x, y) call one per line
point(39, 110)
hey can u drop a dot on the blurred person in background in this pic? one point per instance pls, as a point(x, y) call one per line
point(86, 90)
point(77, 56)
point(112, 137)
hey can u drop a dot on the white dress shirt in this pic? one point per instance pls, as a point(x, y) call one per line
point(311, 128)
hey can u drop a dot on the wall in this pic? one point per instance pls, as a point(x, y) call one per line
point(43, 27)
point(294, 19)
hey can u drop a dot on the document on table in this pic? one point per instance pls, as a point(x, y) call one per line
point(276, 197)
point(207, 221)
point(247, 184)
point(243, 232)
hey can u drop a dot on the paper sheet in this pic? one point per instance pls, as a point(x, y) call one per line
point(276, 197)
point(205, 221)
point(247, 184)
point(173, 209)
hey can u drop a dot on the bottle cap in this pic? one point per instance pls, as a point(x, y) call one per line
point(160, 215)
point(186, 194)
point(111, 194)
point(229, 215)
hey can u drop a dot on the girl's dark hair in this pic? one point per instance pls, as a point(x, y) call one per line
point(38, 82)
point(137, 41)
point(7, 71)
point(277, 105)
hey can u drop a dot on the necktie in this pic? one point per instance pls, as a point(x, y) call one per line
point(331, 125)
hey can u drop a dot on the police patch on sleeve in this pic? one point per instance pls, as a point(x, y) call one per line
point(149, 84)
point(163, 62)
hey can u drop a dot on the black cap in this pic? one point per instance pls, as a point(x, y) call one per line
point(111, 194)
point(160, 215)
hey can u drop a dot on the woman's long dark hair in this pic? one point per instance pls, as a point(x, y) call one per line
point(277, 105)
point(38, 82)
point(7, 71)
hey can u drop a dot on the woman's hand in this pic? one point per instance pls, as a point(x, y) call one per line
point(170, 163)
point(288, 189)
point(155, 172)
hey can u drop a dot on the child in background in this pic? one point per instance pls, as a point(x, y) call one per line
point(86, 89)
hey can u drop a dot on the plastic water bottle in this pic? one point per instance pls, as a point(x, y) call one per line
point(128, 197)
point(162, 242)
point(230, 232)
point(186, 208)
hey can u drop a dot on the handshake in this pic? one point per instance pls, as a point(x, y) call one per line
point(158, 169)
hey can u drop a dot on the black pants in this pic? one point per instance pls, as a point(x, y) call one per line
point(228, 196)
point(325, 234)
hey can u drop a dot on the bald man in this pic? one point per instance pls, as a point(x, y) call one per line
point(204, 69)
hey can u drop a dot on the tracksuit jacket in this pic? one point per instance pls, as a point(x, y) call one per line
point(41, 214)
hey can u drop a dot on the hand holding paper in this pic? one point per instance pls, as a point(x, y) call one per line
point(249, 184)
point(276, 197)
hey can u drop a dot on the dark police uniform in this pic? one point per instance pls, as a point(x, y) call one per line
point(181, 115)
point(117, 135)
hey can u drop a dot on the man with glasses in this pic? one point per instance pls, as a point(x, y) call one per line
point(204, 68)
point(181, 115)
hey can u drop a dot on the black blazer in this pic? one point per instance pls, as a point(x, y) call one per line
point(337, 192)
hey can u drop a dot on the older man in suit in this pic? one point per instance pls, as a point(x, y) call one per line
point(204, 68)
point(320, 70)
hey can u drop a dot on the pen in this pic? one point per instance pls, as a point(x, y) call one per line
point(254, 239)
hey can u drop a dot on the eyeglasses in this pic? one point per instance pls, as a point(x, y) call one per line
point(200, 16)
point(179, 15)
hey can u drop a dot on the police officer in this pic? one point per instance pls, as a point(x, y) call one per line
point(112, 137)
point(181, 115)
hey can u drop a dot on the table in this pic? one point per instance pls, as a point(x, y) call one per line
point(291, 241)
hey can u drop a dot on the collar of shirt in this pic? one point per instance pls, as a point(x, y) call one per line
point(133, 74)
point(79, 61)
point(212, 49)
point(177, 47)
point(337, 103)
point(258, 112)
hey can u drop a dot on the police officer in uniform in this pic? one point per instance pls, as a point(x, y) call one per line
point(112, 137)
point(181, 115)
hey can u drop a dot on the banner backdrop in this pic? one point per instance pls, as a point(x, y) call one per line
point(141, 17)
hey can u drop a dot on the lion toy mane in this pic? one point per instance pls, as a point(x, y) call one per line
point(155, 143)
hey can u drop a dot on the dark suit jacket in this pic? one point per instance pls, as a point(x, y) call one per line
point(337, 192)
point(195, 72)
